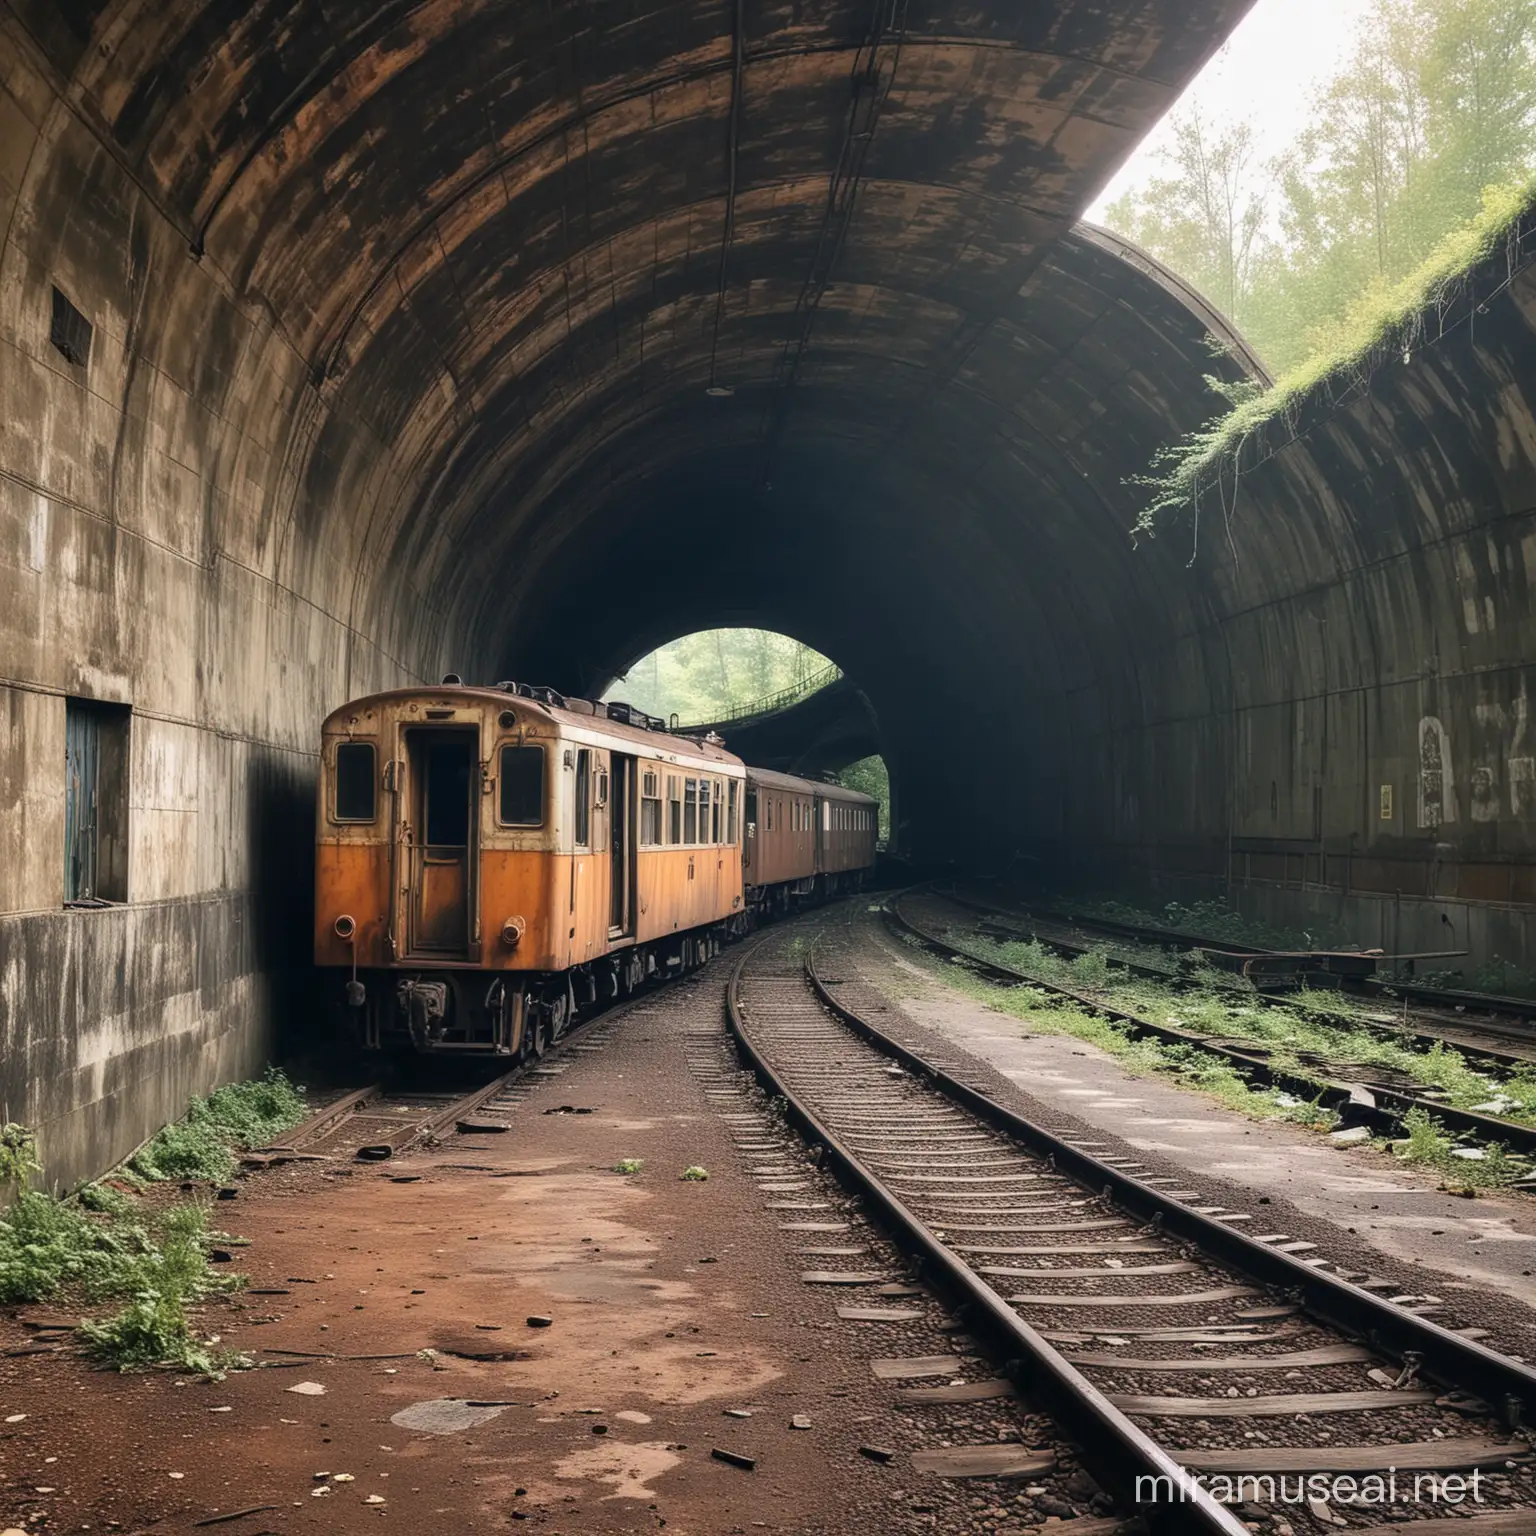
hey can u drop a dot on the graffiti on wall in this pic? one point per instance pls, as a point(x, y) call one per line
point(1437, 785)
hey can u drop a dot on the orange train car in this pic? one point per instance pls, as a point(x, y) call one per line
point(490, 861)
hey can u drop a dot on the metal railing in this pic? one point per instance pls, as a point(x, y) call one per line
point(814, 683)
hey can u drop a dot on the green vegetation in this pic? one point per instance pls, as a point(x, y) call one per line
point(107, 1246)
point(869, 777)
point(629, 1165)
point(239, 1115)
point(1427, 1143)
point(1418, 158)
point(705, 676)
point(1189, 1065)
point(694, 1175)
point(1314, 1030)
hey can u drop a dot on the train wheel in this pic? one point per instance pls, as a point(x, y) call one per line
point(538, 1039)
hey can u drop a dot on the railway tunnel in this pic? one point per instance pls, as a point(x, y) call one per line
point(350, 346)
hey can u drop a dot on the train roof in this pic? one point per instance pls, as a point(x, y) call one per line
point(820, 787)
point(575, 714)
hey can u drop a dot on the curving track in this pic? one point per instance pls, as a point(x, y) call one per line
point(1162, 1339)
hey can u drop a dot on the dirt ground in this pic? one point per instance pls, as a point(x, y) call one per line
point(679, 1325)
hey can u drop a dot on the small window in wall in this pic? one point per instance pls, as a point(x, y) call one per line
point(770, 813)
point(704, 810)
point(730, 812)
point(751, 807)
point(356, 781)
point(715, 810)
point(583, 799)
point(70, 331)
point(650, 809)
point(690, 810)
point(522, 786)
point(95, 801)
point(674, 809)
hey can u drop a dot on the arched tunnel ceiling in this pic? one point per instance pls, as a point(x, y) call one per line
point(515, 245)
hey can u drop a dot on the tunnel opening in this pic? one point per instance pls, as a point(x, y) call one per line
point(714, 675)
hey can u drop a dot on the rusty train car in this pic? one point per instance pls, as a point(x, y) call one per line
point(490, 861)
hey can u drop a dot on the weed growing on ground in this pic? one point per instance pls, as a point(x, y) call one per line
point(1427, 1143)
point(153, 1328)
point(629, 1165)
point(240, 1115)
point(103, 1246)
point(157, 1263)
point(694, 1175)
point(1191, 1066)
point(1313, 1030)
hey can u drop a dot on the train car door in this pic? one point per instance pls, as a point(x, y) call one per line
point(621, 860)
point(441, 840)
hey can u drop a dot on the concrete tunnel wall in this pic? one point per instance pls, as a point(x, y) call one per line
point(403, 323)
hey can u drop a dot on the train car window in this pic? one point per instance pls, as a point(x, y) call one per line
point(356, 781)
point(770, 813)
point(650, 809)
point(752, 809)
point(522, 786)
point(715, 810)
point(730, 812)
point(704, 801)
point(583, 799)
point(690, 810)
point(674, 808)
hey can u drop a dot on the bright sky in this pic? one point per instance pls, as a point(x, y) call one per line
point(1266, 71)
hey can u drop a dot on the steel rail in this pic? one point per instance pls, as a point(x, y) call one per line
point(1116, 1452)
point(1385, 1113)
point(1507, 1385)
point(1487, 1002)
point(322, 1121)
point(1173, 977)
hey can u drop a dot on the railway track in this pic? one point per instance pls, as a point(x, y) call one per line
point(1498, 1043)
point(378, 1121)
point(1376, 1105)
point(1167, 1343)
point(1506, 1024)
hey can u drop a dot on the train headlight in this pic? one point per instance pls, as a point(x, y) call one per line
point(512, 932)
point(345, 928)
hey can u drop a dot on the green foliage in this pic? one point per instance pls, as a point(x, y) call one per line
point(1426, 1143)
point(629, 1165)
point(154, 1328)
point(158, 1264)
point(704, 676)
point(1312, 1031)
point(694, 1175)
point(104, 1200)
point(869, 777)
point(237, 1115)
point(1418, 155)
point(18, 1153)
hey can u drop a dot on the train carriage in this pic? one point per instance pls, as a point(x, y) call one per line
point(805, 840)
point(489, 861)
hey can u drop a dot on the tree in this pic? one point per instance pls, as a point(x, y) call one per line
point(1435, 103)
point(1204, 219)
